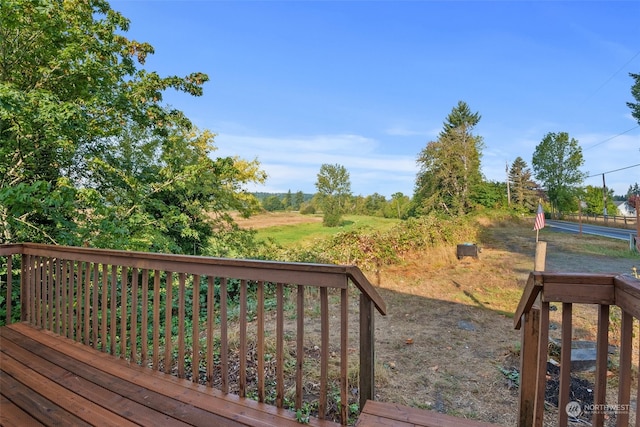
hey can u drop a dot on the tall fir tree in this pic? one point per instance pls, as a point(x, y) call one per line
point(450, 166)
point(524, 191)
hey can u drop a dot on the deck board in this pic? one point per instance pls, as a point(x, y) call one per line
point(99, 388)
point(77, 385)
point(391, 414)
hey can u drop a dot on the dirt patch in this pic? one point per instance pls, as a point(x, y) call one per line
point(274, 219)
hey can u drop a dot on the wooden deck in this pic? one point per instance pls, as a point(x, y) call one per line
point(46, 379)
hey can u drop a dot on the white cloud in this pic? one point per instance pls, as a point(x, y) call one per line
point(292, 163)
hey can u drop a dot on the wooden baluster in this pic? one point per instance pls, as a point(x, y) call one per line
point(33, 267)
point(43, 293)
point(195, 334)
point(134, 316)
point(324, 352)
point(38, 292)
point(624, 376)
point(87, 302)
point(565, 364)
point(9, 289)
point(210, 322)
point(344, 355)
point(168, 323)
point(156, 320)
point(224, 338)
point(71, 300)
point(144, 327)
point(58, 287)
point(94, 309)
point(279, 345)
point(50, 302)
point(78, 303)
point(113, 326)
point(181, 325)
point(602, 358)
point(63, 300)
point(243, 339)
point(299, 346)
point(25, 288)
point(260, 341)
point(123, 311)
point(104, 312)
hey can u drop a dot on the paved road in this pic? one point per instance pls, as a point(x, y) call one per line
point(573, 227)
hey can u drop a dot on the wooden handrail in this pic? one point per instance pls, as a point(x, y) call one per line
point(603, 290)
point(151, 309)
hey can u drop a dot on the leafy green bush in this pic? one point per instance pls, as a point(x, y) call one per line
point(369, 248)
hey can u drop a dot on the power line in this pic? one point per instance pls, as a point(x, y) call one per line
point(609, 139)
point(614, 74)
point(616, 170)
point(604, 84)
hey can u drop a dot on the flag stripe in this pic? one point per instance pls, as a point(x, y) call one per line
point(539, 224)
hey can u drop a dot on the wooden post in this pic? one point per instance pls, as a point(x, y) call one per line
point(367, 353)
point(531, 351)
point(528, 366)
point(540, 257)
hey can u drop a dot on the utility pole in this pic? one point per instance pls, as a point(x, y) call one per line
point(506, 169)
point(604, 198)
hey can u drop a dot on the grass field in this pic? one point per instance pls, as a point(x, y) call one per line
point(297, 232)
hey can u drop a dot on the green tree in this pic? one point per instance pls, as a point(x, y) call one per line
point(524, 191)
point(450, 165)
point(88, 151)
point(287, 200)
point(635, 91)
point(556, 164)
point(375, 204)
point(167, 193)
point(490, 195)
point(298, 200)
point(334, 190)
point(68, 82)
point(398, 206)
point(594, 200)
point(272, 203)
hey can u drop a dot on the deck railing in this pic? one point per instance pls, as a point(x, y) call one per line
point(532, 317)
point(189, 316)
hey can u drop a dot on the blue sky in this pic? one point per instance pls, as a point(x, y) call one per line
point(367, 84)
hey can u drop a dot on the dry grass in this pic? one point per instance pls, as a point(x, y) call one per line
point(458, 317)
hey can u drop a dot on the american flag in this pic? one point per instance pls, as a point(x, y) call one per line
point(539, 224)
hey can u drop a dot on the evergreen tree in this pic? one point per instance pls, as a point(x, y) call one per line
point(635, 91)
point(450, 166)
point(298, 200)
point(524, 190)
